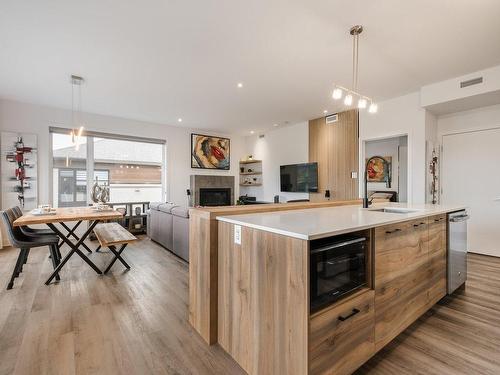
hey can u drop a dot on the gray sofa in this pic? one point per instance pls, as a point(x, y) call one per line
point(168, 225)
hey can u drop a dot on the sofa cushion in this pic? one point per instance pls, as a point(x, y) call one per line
point(154, 205)
point(180, 211)
point(166, 207)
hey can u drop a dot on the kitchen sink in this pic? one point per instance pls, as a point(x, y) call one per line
point(394, 210)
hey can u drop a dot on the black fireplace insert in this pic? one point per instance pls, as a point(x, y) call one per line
point(215, 196)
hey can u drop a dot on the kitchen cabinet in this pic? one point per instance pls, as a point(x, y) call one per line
point(437, 259)
point(342, 338)
point(410, 273)
point(265, 268)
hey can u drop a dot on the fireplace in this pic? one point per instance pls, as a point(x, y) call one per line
point(211, 190)
point(215, 196)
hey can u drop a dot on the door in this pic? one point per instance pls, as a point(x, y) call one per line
point(72, 188)
point(470, 176)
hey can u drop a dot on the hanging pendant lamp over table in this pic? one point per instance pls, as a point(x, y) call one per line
point(76, 113)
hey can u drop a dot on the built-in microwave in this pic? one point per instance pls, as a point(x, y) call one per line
point(337, 268)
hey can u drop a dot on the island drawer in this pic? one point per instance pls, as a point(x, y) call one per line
point(342, 338)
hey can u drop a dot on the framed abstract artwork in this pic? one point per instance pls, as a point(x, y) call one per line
point(379, 170)
point(209, 152)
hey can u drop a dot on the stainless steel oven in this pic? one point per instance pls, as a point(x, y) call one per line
point(337, 268)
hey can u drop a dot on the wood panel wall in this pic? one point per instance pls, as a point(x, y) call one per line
point(203, 276)
point(335, 147)
point(264, 300)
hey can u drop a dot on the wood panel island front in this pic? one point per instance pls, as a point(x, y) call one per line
point(203, 257)
point(276, 314)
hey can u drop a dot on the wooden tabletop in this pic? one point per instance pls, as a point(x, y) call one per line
point(68, 214)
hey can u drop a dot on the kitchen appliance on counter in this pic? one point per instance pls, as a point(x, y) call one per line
point(245, 199)
point(337, 268)
point(457, 250)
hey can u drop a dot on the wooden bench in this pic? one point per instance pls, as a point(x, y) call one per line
point(110, 235)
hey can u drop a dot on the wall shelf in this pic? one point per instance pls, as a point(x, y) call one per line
point(250, 161)
point(250, 173)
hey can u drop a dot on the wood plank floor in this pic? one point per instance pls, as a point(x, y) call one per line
point(136, 322)
point(130, 323)
point(459, 335)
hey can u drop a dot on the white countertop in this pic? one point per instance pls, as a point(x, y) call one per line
point(313, 223)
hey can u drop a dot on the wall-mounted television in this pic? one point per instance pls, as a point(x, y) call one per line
point(299, 178)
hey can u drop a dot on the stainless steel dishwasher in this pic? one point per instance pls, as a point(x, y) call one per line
point(457, 249)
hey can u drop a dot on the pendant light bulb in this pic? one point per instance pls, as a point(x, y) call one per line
point(373, 108)
point(337, 94)
point(348, 99)
point(349, 94)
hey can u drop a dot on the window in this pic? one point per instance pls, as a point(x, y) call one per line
point(72, 186)
point(133, 168)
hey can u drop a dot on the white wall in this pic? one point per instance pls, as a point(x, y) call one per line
point(287, 145)
point(387, 147)
point(396, 117)
point(476, 119)
point(22, 117)
point(449, 91)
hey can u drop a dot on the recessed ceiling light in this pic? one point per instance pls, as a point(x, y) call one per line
point(179, 120)
point(325, 111)
point(276, 125)
point(240, 85)
point(252, 132)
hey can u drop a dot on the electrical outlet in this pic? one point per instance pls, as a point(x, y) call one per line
point(237, 234)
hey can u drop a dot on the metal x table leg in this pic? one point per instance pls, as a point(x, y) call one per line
point(74, 249)
point(71, 233)
point(117, 256)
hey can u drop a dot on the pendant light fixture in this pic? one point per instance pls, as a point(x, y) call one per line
point(76, 111)
point(352, 95)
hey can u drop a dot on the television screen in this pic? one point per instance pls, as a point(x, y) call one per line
point(299, 178)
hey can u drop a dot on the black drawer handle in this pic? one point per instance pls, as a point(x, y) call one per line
point(343, 318)
point(417, 225)
point(438, 220)
point(392, 231)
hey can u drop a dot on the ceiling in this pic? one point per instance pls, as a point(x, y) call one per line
point(158, 60)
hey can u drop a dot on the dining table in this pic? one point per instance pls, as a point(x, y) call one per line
point(57, 220)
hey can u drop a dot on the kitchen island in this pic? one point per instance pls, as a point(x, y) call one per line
point(273, 317)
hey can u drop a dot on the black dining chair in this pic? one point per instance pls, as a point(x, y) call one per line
point(27, 230)
point(26, 242)
point(33, 232)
